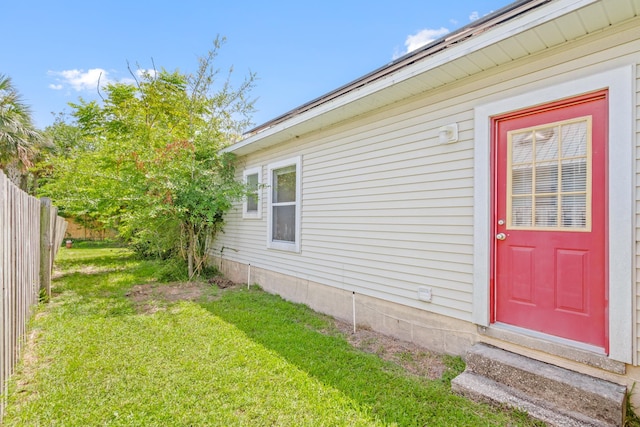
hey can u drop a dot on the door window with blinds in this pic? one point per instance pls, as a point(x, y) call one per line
point(549, 176)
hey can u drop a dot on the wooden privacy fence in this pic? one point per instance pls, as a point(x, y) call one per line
point(30, 234)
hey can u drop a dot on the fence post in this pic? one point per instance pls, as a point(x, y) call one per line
point(45, 246)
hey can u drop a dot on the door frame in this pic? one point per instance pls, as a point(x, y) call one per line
point(621, 165)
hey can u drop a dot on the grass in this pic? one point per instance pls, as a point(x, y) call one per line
point(233, 357)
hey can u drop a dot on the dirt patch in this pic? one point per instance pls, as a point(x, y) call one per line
point(417, 360)
point(151, 297)
point(413, 358)
point(221, 282)
point(169, 292)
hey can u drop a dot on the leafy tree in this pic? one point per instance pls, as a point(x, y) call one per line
point(66, 143)
point(147, 160)
point(19, 140)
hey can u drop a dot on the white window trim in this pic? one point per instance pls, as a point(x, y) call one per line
point(245, 213)
point(621, 153)
point(274, 244)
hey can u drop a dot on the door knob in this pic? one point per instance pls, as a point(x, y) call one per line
point(501, 236)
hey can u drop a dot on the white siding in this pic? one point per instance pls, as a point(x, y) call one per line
point(385, 208)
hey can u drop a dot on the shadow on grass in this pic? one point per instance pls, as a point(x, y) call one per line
point(96, 284)
point(296, 333)
point(107, 258)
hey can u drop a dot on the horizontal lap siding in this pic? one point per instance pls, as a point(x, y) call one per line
point(392, 209)
point(385, 207)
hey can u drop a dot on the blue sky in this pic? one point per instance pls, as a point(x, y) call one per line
point(54, 50)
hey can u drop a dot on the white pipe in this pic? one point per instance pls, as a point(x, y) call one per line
point(248, 276)
point(353, 299)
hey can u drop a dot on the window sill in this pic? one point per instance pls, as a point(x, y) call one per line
point(284, 246)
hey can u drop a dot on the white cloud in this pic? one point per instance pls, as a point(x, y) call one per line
point(88, 81)
point(80, 80)
point(424, 37)
point(421, 38)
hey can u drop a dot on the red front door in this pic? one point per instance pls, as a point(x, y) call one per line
point(550, 215)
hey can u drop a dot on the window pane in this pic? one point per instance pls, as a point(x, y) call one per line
point(574, 140)
point(546, 211)
point(284, 185)
point(252, 203)
point(521, 212)
point(546, 144)
point(252, 181)
point(574, 211)
point(521, 180)
point(522, 147)
point(574, 176)
point(284, 223)
point(252, 197)
point(547, 178)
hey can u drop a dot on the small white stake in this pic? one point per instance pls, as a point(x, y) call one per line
point(353, 298)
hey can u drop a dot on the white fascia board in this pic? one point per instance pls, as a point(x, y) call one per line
point(515, 26)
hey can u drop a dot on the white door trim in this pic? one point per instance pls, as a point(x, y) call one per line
point(621, 206)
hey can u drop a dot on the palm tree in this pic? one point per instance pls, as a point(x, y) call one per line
point(18, 137)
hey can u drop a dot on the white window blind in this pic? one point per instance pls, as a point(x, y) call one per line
point(549, 176)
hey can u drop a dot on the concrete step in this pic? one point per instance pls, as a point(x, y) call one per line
point(483, 389)
point(545, 391)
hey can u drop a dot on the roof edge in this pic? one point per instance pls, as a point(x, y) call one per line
point(462, 42)
point(476, 27)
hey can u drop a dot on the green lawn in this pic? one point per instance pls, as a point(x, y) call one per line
point(102, 353)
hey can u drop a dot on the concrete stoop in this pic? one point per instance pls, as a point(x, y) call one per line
point(555, 395)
